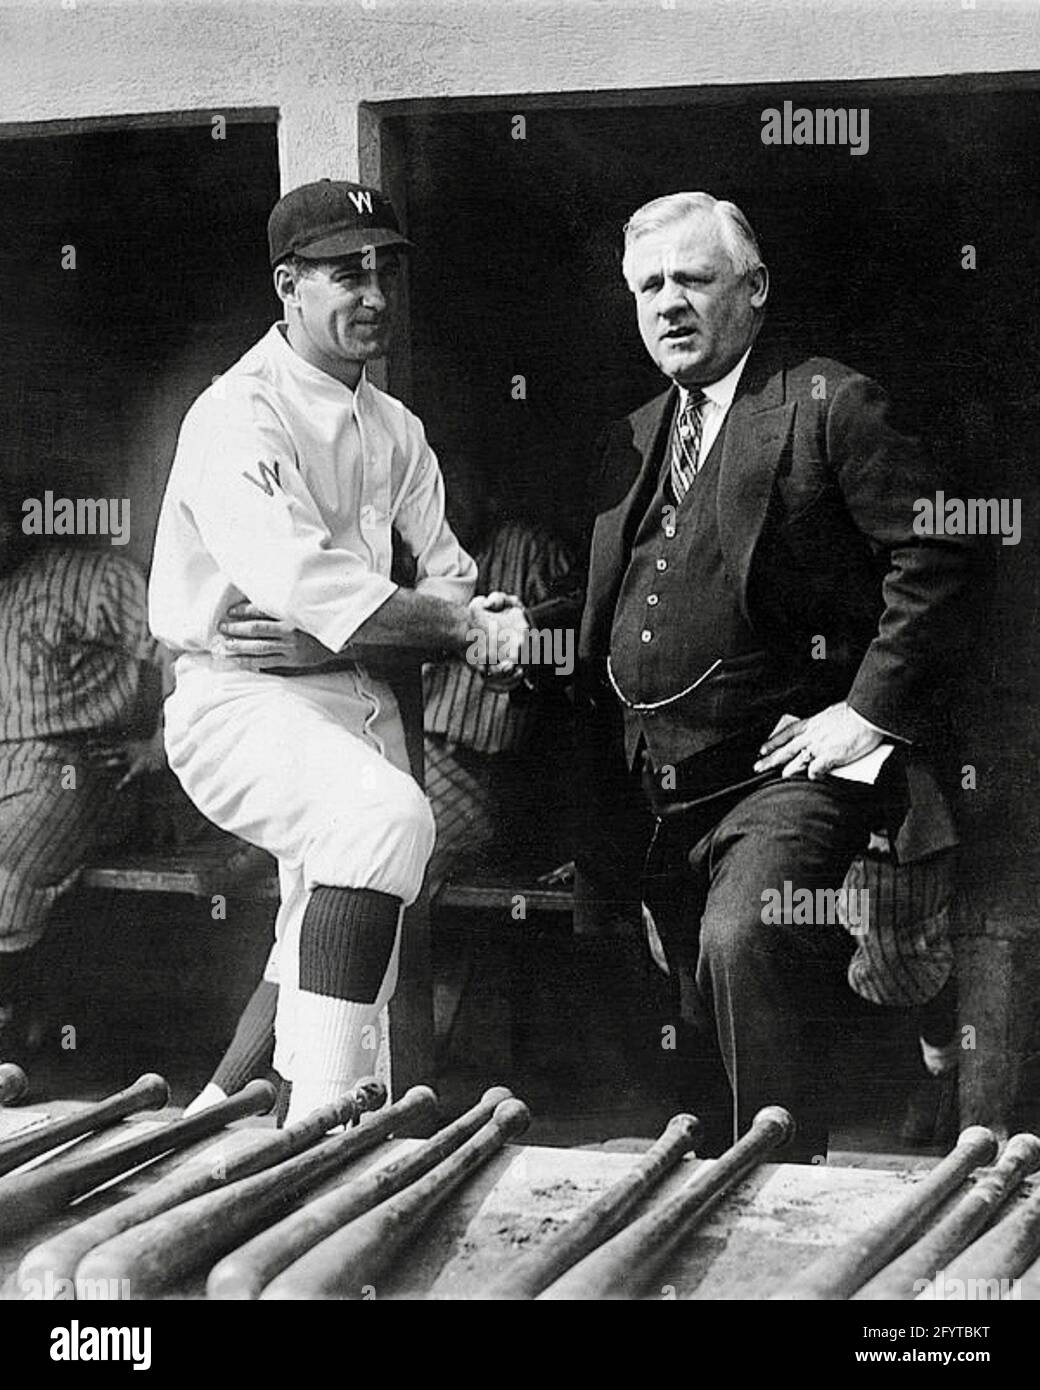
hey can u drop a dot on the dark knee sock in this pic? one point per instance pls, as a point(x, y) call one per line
point(346, 943)
point(346, 940)
point(251, 1050)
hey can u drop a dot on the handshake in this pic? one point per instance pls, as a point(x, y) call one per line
point(497, 640)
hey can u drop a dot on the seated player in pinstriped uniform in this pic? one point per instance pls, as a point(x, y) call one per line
point(79, 701)
point(491, 753)
point(291, 474)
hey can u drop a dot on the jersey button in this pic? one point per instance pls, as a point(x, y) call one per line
point(662, 564)
point(646, 635)
point(669, 531)
point(652, 600)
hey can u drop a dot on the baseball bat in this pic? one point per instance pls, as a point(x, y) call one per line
point(949, 1236)
point(1004, 1252)
point(1029, 1289)
point(13, 1083)
point(603, 1218)
point(149, 1092)
point(837, 1275)
point(51, 1265)
point(26, 1199)
point(623, 1265)
point(156, 1254)
point(245, 1272)
point(343, 1264)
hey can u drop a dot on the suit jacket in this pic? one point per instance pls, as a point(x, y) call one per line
point(816, 519)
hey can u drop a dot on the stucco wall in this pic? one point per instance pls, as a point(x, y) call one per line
point(85, 58)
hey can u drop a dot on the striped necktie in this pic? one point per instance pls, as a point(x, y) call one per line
point(686, 444)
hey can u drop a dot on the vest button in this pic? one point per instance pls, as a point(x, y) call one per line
point(652, 600)
point(646, 634)
point(662, 564)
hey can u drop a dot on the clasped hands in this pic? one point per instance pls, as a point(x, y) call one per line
point(497, 638)
point(495, 635)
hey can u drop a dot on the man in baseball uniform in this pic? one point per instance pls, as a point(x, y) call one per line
point(291, 472)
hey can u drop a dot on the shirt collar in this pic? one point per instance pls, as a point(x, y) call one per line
point(720, 392)
point(316, 379)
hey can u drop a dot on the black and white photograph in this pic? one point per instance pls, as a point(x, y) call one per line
point(519, 666)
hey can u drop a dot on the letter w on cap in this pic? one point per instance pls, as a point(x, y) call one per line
point(362, 201)
point(267, 473)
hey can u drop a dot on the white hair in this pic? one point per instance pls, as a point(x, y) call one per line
point(734, 228)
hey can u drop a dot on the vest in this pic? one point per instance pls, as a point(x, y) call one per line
point(678, 612)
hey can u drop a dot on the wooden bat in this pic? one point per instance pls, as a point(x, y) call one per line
point(150, 1257)
point(26, 1199)
point(623, 1265)
point(1002, 1254)
point(837, 1275)
point(246, 1271)
point(13, 1083)
point(149, 1092)
point(52, 1264)
point(1029, 1288)
point(902, 1279)
point(538, 1268)
point(347, 1262)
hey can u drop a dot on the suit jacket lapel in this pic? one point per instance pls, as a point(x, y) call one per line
point(757, 429)
point(650, 439)
point(631, 482)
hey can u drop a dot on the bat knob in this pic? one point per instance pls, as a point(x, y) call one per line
point(13, 1083)
point(153, 1089)
point(1024, 1149)
point(496, 1095)
point(777, 1119)
point(683, 1127)
point(369, 1094)
point(979, 1140)
point(512, 1117)
point(261, 1094)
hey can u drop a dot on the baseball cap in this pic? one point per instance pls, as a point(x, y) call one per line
point(321, 220)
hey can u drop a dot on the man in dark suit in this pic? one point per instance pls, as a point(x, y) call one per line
point(763, 611)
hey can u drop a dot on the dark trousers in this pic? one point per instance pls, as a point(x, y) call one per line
point(772, 990)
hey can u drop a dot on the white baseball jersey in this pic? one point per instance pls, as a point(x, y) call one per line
point(284, 489)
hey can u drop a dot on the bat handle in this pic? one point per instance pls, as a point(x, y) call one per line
point(13, 1083)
